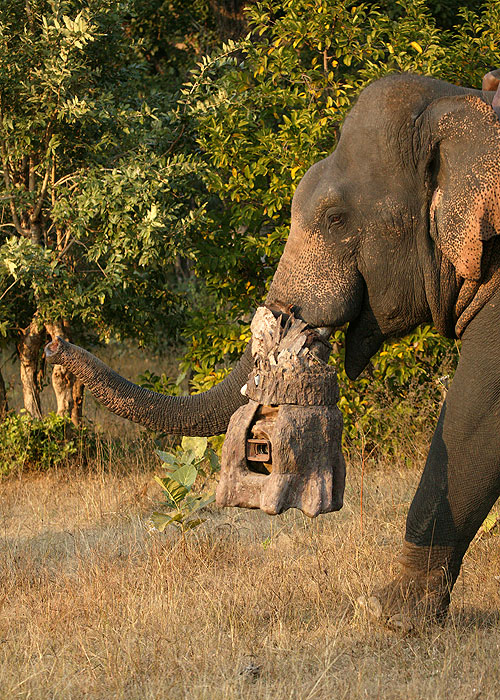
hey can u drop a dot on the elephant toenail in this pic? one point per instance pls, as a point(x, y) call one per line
point(399, 623)
point(371, 605)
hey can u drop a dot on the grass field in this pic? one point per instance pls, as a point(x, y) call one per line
point(92, 605)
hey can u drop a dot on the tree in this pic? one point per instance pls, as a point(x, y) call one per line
point(93, 206)
point(172, 35)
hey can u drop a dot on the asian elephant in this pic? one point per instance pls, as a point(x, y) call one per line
point(397, 227)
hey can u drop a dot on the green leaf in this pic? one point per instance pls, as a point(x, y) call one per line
point(213, 458)
point(175, 490)
point(161, 520)
point(187, 458)
point(167, 458)
point(491, 522)
point(197, 445)
point(200, 503)
point(186, 475)
point(191, 524)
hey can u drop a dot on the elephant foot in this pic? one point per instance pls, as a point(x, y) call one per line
point(415, 597)
point(409, 601)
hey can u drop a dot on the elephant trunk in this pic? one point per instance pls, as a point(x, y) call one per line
point(201, 414)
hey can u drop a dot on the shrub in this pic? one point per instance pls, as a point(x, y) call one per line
point(392, 408)
point(27, 443)
point(192, 459)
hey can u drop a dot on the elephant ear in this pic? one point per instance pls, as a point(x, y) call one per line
point(465, 207)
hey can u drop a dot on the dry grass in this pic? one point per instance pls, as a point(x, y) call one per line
point(94, 606)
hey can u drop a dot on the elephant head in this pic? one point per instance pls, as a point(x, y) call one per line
point(388, 232)
point(391, 230)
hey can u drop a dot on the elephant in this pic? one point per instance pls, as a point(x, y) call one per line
point(397, 227)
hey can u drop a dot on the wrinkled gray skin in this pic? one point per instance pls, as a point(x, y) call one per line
point(387, 233)
point(359, 249)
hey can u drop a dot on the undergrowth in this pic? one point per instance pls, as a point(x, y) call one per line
point(27, 443)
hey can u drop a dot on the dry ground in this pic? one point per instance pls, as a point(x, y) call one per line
point(94, 606)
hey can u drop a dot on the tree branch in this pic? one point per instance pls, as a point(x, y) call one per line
point(9, 288)
point(36, 211)
point(31, 175)
point(6, 177)
point(53, 180)
point(65, 249)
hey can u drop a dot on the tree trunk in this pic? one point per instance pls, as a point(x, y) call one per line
point(199, 414)
point(67, 388)
point(4, 407)
point(28, 348)
point(77, 410)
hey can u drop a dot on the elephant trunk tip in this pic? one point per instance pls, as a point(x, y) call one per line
point(54, 349)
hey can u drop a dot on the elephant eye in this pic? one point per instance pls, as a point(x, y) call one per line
point(333, 218)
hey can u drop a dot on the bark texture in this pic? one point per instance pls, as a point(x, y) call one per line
point(28, 348)
point(77, 408)
point(308, 468)
point(68, 396)
point(4, 406)
point(294, 384)
point(202, 414)
point(292, 411)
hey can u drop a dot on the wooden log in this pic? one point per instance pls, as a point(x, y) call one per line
point(303, 465)
point(294, 383)
point(308, 469)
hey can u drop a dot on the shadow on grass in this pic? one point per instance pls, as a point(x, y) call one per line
point(473, 618)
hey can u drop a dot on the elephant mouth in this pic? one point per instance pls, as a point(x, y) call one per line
point(363, 337)
point(284, 311)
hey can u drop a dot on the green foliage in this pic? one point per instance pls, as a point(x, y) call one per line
point(264, 113)
point(162, 384)
point(444, 12)
point(170, 35)
point(192, 459)
point(491, 525)
point(26, 443)
point(94, 205)
point(399, 394)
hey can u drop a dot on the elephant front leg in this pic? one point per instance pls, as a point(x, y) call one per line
point(459, 485)
point(419, 594)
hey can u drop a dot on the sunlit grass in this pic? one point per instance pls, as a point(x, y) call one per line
point(246, 606)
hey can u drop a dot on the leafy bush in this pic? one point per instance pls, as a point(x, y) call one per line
point(399, 396)
point(162, 384)
point(194, 458)
point(26, 443)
